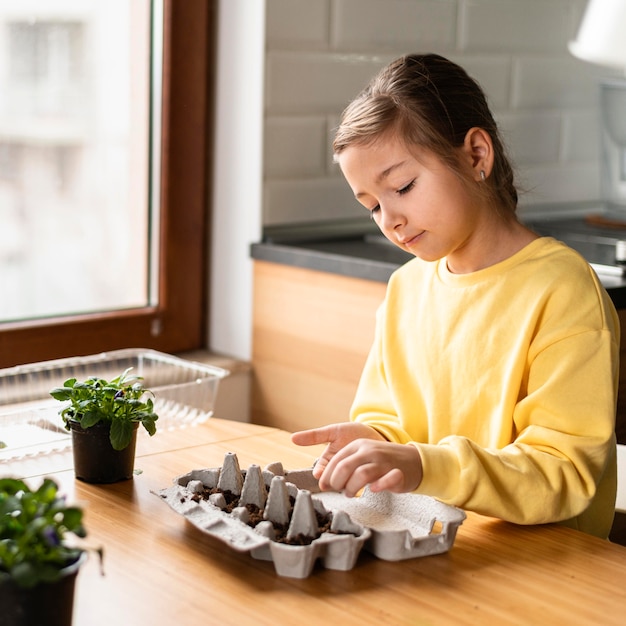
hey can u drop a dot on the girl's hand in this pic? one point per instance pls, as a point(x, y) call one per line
point(336, 436)
point(357, 455)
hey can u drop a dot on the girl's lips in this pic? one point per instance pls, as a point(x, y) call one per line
point(411, 241)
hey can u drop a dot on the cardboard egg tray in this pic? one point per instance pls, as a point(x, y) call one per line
point(391, 526)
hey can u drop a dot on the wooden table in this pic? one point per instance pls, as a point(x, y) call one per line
point(161, 571)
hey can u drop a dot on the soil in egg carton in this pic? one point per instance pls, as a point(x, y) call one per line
point(256, 516)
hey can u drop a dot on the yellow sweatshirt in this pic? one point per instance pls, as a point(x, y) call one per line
point(505, 380)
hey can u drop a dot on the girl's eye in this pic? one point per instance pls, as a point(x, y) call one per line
point(374, 210)
point(406, 188)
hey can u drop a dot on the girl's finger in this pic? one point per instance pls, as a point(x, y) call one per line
point(311, 437)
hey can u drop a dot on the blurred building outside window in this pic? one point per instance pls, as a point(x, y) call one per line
point(75, 140)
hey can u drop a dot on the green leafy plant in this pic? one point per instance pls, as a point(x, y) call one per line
point(120, 402)
point(34, 531)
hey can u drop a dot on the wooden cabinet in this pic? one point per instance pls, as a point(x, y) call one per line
point(311, 334)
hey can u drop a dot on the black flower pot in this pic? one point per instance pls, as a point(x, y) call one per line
point(95, 459)
point(51, 604)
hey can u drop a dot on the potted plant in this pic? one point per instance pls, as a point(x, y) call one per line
point(38, 561)
point(103, 417)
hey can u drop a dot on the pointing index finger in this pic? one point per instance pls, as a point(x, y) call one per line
point(312, 437)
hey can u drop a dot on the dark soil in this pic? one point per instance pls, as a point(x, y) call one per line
point(256, 516)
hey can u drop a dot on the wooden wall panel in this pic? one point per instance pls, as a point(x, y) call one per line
point(311, 334)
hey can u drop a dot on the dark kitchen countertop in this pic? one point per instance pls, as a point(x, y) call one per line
point(355, 248)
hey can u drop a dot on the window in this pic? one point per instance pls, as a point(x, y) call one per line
point(161, 302)
point(76, 112)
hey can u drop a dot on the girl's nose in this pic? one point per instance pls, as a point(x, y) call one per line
point(391, 217)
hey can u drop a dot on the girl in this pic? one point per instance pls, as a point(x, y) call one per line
point(492, 380)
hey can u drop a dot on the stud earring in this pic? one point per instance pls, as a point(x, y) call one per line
point(482, 175)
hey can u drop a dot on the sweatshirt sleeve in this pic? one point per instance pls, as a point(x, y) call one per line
point(551, 469)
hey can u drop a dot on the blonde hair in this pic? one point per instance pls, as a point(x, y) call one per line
point(428, 102)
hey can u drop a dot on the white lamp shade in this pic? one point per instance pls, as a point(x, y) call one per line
point(602, 34)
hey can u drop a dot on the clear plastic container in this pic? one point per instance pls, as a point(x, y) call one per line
point(184, 395)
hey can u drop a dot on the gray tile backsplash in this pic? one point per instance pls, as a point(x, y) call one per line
point(320, 53)
point(372, 25)
point(517, 26)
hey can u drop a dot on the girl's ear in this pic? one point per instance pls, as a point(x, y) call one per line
point(478, 147)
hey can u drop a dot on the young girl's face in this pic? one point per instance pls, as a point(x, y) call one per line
point(418, 203)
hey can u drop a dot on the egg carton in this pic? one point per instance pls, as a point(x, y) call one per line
point(391, 526)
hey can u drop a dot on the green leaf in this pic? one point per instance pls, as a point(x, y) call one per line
point(121, 433)
point(89, 419)
point(25, 574)
point(47, 491)
point(149, 425)
point(49, 573)
point(110, 390)
point(61, 394)
point(12, 486)
point(73, 518)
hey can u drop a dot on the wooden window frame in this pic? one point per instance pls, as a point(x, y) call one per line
point(179, 321)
